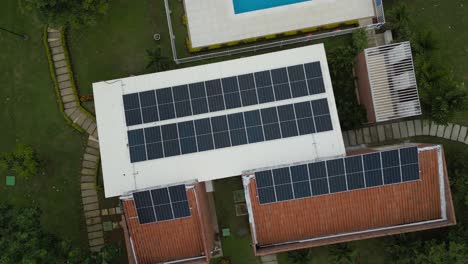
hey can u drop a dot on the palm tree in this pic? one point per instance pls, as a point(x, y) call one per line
point(157, 62)
point(398, 19)
point(301, 256)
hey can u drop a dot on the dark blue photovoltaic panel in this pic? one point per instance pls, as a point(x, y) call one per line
point(226, 93)
point(337, 175)
point(136, 137)
point(162, 204)
point(137, 153)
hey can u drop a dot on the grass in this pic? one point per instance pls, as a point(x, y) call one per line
point(29, 114)
point(237, 246)
point(448, 21)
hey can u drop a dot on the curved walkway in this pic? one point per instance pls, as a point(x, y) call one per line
point(83, 121)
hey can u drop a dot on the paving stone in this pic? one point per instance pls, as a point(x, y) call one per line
point(93, 221)
point(91, 128)
point(53, 35)
point(440, 130)
point(104, 212)
point(433, 130)
point(80, 121)
point(462, 134)
point(352, 137)
point(75, 115)
point(93, 144)
point(94, 235)
point(55, 43)
point(94, 228)
point(466, 141)
point(56, 50)
point(63, 77)
point(70, 111)
point(374, 134)
point(60, 64)
point(64, 84)
point(90, 199)
point(89, 172)
point(396, 131)
point(115, 225)
point(118, 210)
point(60, 71)
point(366, 135)
point(90, 157)
point(89, 164)
point(58, 57)
point(87, 123)
point(455, 131)
point(92, 151)
point(388, 131)
point(111, 211)
point(448, 131)
point(49, 29)
point(426, 127)
point(96, 242)
point(89, 192)
point(92, 214)
point(381, 133)
point(88, 186)
point(68, 98)
point(403, 129)
point(70, 105)
point(410, 126)
point(87, 178)
point(96, 248)
point(90, 207)
point(418, 127)
point(345, 138)
point(269, 258)
point(65, 92)
point(359, 137)
point(95, 134)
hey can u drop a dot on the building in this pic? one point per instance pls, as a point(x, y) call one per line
point(387, 82)
point(165, 136)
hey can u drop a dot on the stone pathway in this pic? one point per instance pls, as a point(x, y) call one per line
point(405, 129)
point(269, 259)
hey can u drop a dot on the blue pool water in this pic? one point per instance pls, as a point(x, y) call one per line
point(242, 6)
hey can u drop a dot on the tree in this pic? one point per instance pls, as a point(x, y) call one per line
point(73, 13)
point(301, 256)
point(342, 254)
point(157, 62)
point(398, 20)
point(359, 40)
point(23, 161)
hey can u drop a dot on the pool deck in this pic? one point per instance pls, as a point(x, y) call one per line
point(214, 21)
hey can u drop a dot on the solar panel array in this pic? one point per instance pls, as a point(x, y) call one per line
point(229, 130)
point(337, 175)
point(162, 204)
point(221, 94)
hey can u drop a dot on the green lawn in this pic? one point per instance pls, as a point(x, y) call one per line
point(29, 114)
point(238, 246)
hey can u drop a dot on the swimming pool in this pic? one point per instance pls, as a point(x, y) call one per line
point(243, 6)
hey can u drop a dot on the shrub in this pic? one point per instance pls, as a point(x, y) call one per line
point(301, 256)
point(359, 40)
point(23, 161)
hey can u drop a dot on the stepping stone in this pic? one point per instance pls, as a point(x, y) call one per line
point(89, 164)
point(366, 134)
point(90, 199)
point(118, 210)
point(87, 193)
point(75, 115)
point(90, 207)
point(96, 248)
point(359, 138)
point(52, 30)
point(90, 157)
point(60, 64)
point(418, 127)
point(80, 121)
point(87, 179)
point(95, 134)
point(87, 122)
point(112, 211)
point(55, 43)
point(63, 77)
point(352, 137)
point(433, 130)
point(88, 186)
point(448, 131)
point(92, 151)
point(374, 134)
point(426, 127)
point(403, 129)
point(93, 221)
point(70, 111)
point(61, 70)
point(381, 133)
point(91, 129)
point(65, 84)
point(104, 212)
point(455, 131)
point(94, 228)
point(68, 91)
point(53, 35)
point(388, 131)
point(88, 172)
point(70, 105)
point(440, 130)
point(396, 131)
point(345, 138)
point(462, 134)
point(93, 144)
point(56, 50)
point(92, 214)
point(96, 242)
point(410, 125)
point(68, 98)
point(58, 57)
point(94, 235)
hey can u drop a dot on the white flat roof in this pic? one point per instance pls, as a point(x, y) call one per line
point(121, 176)
point(214, 21)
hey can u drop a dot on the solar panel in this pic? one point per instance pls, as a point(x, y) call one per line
point(225, 131)
point(337, 175)
point(221, 94)
point(162, 204)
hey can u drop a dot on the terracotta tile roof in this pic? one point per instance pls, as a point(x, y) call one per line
point(352, 211)
point(168, 240)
